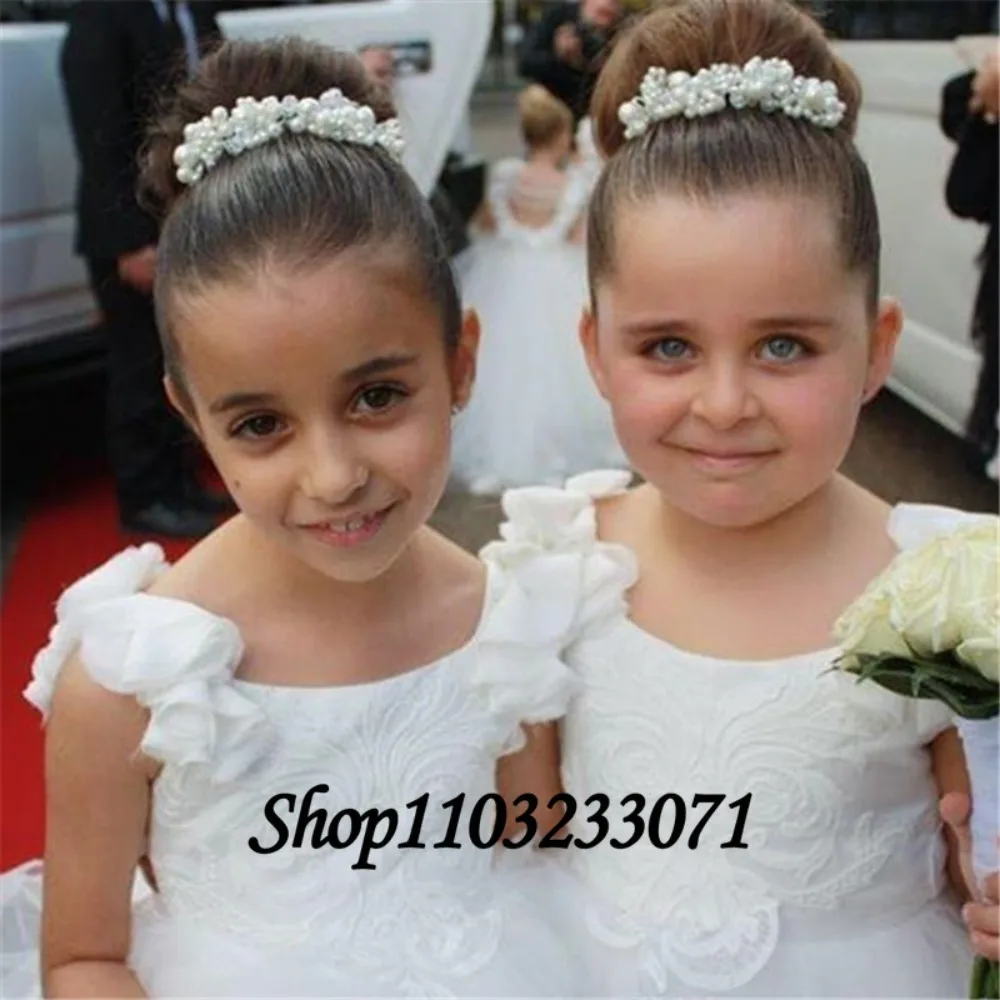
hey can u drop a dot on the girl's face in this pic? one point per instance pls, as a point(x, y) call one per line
point(324, 398)
point(735, 351)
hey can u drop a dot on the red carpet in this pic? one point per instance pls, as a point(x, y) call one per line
point(71, 530)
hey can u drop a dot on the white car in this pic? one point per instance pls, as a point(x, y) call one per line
point(47, 313)
point(904, 53)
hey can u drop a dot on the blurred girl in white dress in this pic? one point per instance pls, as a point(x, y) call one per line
point(535, 415)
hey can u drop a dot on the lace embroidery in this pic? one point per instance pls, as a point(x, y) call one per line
point(842, 823)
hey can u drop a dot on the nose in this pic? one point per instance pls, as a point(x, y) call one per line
point(724, 398)
point(333, 470)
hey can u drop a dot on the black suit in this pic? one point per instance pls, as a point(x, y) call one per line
point(972, 191)
point(117, 59)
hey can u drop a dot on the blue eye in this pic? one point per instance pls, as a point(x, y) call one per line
point(670, 349)
point(257, 427)
point(378, 398)
point(784, 349)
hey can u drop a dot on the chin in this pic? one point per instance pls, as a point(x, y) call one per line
point(733, 507)
point(359, 569)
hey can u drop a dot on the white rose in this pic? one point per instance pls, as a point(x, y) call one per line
point(943, 596)
point(865, 627)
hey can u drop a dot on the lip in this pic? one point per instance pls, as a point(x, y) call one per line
point(352, 531)
point(727, 461)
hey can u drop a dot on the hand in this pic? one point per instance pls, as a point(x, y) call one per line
point(983, 920)
point(986, 89)
point(379, 65)
point(138, 269)
point(982, 917)
point(567, 45)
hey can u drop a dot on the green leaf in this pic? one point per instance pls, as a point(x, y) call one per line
point(941, 678)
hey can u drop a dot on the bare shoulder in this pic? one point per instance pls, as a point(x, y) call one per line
point(621, 517)
point(865, 516)
point(207, 573)
point(454, 566)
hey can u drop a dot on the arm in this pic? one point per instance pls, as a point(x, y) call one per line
point(484, 220)
point(954, 111)
point(97, 801)
point(532, 770)
point(96, 85)
point(982, 917)
point(951, 778)
point(971, 187)
point(578, 233)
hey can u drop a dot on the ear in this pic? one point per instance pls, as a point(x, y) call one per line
point(463, 360)
point(588, 340)
point(882, 346)
point(178, 399)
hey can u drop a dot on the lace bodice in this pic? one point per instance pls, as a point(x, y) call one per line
point(229, 747)
point(841, 827)
point(566, 205)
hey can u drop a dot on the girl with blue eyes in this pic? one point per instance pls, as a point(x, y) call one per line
point(757, 824)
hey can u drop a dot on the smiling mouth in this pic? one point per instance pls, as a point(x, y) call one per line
point(727, 460)
point(354, 530)
point(725, 456)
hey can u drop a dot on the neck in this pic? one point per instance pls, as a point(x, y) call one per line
point(551, 156)
point(297, 581)
point(780, 541)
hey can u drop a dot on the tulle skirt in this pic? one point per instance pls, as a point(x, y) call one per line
point(541, 950)
point(535, 416)
point(918, 954)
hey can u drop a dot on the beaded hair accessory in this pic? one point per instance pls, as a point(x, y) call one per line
point(253, 123)
point(768, 84)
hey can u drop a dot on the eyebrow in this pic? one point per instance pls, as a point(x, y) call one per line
point(677, 327)
point(375, 366)
point(236, 400)
point(378, 366)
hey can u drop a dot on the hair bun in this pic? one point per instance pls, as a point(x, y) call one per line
point(691, 35)
point(246, 69)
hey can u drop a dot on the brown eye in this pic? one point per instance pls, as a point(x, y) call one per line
point(378, 398)
point(261, 425)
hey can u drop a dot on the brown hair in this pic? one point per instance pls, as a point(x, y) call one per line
point(298, 198)
point(735, 150)
point(543, 116)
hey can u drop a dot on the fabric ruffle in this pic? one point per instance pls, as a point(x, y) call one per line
point(549, 542)
point(174, 658)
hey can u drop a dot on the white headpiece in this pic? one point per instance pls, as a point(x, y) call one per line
point(253, 123)
point(769, 84)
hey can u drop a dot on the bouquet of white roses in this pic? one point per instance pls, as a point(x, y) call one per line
point(929, 627)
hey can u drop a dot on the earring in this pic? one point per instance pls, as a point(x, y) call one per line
point(456, 409)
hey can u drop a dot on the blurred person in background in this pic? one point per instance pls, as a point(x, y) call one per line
point(563, 51)
point(536, 415)
point(969, 114)
point(117, 58)
point(380, 65)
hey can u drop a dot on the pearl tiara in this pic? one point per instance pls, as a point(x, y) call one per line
point(253, 123)
point(770, 85)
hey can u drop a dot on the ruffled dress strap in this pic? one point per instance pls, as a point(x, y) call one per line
point(560, 570)
point(176, 659)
